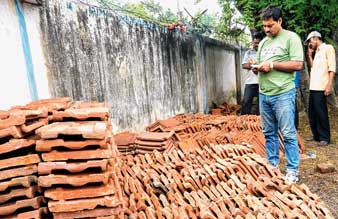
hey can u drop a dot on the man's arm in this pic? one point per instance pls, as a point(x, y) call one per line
point(329, 86)
point(246, 66)
point(287, 66)
point(331, 60)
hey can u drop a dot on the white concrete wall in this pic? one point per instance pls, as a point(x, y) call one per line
point(14, 86)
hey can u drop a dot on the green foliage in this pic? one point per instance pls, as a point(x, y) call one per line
point(231, 27)
point(301, 16)
point(202, 22)
point(138, 10)
point(167, 17)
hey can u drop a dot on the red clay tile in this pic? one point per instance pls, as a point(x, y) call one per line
point(73, 167)
point(10, 208)
point(100, 113)
point(77, 155)
point(19, 161)
point(15, 144)
point(125, 138)
point(12, 120)
point(25, 181)
point(80, 192)
point(35, 214)
point(48, 145)
point(33, 126)
point(87, 129)
point(48, 104)
point(4, 114)
point(13, 131)
point(31, 114)
point(97, 212)
point(155, 136)
point(29, 192)
point(74, 179)
point(83, 204)
point(20, 171)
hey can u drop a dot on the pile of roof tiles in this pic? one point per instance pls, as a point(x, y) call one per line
point(125, 142)
point(197, 130)
point(226, 109)
point(84, 176)
point(77, 168)
point(221, 181)
point(20, 195)
point(145, 142)
point(77, 173)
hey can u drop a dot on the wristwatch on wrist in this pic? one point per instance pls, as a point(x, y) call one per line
point(271, 65)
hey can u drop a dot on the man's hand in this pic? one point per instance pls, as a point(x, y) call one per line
point(252, 61)
point(328, 90)
point(310, 51)
point(264, 67)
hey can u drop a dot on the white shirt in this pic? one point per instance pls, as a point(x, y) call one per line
point(250, 77)
point(324, 61)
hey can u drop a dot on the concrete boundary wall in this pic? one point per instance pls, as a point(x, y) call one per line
point(144, 71)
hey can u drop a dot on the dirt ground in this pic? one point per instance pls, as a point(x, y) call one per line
point(324, 185)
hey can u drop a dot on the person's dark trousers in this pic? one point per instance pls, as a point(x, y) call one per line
point(296, 110)
point(250, 91)
point(318, 116)
point(296, 116)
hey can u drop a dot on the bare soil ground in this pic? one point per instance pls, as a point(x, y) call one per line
point(324, 185)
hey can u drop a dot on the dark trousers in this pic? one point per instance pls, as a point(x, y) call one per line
point(250, 91)
point(318, 116)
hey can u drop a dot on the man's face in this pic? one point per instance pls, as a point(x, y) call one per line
point(312, 43)
point(271, 27)
point(255, 43)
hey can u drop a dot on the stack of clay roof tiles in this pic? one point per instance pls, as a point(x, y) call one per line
point(78, 171)
point(197, 130)
point(145, 142)
point(20, 195)
point(64, 149)
point(125, 142)
point(226, 109)
point(221, 181)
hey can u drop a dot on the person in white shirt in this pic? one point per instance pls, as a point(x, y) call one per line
point(323, 68)
point(251, 79)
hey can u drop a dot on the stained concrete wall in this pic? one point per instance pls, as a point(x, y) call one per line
point(143, 71)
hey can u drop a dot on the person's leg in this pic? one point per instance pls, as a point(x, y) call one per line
point(247, 100)
point(322, 122)
point(256, 94)
point(313, 116)
point(270, 130)
point(284, 107)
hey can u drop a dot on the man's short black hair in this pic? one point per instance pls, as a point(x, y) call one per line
point(271, 11)
point(257, 35)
